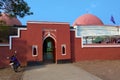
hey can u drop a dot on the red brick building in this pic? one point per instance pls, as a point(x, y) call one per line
point(56, 42)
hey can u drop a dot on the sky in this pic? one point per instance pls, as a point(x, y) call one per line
point(70, 10)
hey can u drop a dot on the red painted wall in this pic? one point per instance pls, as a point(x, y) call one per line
point(72, 46)
point(35, 35)
point(62, 36)
point(4, 53)
point(90, 53)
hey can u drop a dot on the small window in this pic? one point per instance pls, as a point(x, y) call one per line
point(63, 49)
point(34, 50)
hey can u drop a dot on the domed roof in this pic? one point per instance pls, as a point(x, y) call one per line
point(10, 21)
point(87, 19)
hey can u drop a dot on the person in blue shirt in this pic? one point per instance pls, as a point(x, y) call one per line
point(15, 62)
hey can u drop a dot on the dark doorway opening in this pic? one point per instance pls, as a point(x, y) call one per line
point(49, 50)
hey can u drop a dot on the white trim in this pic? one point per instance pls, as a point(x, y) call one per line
point(72, 30)
point(82, 42)
point(45, 22)
point(49, 35)
point(63, 45)
point(100, 46)
point(17, 36)
point(76, 33)
point(4, 45)
point(35, 46)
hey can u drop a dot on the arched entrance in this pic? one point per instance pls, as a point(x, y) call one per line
point(49, 50)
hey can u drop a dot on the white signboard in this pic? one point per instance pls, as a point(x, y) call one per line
point(97, 30)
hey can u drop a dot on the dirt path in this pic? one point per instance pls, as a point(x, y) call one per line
point(57, 72)
point(9, 74)
point(106, 70)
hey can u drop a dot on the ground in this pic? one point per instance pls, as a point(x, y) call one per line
point(106, 70)
point(9, 74)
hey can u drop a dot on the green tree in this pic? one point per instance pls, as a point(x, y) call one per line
point(5, 32)
point(15, 8)
point(98, 39)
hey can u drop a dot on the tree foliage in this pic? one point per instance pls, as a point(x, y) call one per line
point(5, 32)
point(15, 8)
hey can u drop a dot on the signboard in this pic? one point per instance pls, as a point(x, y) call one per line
point(97, 31)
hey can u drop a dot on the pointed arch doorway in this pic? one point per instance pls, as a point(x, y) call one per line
point(49, 50)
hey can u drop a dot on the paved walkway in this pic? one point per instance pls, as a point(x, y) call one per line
point(57, 72)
